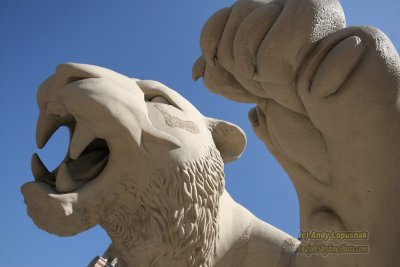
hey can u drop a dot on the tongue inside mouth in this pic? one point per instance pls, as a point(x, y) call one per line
point(72, 174)
point(88, 166)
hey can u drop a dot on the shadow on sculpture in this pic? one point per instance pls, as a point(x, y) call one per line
point(148, 167)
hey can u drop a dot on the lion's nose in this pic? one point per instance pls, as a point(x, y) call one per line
point(70, 72)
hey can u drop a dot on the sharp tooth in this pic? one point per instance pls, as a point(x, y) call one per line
point(39, 170)
point(64, 181)
point(46, 126)
point(82, 137)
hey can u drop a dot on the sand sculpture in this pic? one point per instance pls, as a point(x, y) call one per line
point(148, 167)
point(327, 107)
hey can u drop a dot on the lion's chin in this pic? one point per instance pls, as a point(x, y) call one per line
point(60, 214)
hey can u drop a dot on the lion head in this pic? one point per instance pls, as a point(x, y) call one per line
point(142, 162)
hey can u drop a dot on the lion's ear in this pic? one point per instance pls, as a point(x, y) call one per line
point(229, 139)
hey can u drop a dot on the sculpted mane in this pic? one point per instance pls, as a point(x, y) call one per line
point(175, 216)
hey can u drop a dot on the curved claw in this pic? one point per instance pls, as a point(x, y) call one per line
point(199, 68)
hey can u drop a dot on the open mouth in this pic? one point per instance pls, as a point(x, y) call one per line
point(86, 158)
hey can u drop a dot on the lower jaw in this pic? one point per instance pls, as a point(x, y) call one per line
point(59, 214)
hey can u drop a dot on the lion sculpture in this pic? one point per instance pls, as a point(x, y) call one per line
point(148, 167)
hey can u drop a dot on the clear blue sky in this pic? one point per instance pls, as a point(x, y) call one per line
point(144, 39)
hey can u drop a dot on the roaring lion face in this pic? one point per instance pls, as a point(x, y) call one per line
point(126, 136)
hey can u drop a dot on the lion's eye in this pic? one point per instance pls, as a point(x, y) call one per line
point(154, 97)
point(159, 99)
